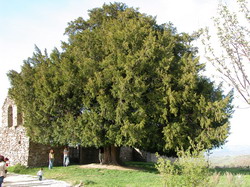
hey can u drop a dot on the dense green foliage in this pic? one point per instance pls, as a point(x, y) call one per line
point(121, 79)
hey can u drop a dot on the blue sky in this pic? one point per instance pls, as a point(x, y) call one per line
point(25, 23)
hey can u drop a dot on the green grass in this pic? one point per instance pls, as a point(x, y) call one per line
point(146, 166)
point(240, 175)
point(146, 175)
point(235, 171)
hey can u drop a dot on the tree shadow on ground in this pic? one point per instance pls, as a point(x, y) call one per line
point(145, 166)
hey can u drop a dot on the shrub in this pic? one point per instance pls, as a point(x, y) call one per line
point(168, 170)
point(17, 168)
point(234, 180)
point(190, 169)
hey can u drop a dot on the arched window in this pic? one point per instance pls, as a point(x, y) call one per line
point(19, 118)
point(10, 116)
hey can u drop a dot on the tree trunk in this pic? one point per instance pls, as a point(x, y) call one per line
point(112, 155)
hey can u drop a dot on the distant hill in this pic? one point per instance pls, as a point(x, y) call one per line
point(231, 156)
point(231, 150)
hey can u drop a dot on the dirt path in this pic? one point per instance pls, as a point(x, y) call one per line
point(108, 167)
point(16, 180)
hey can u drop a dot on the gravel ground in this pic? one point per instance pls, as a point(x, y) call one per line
point(28, 180)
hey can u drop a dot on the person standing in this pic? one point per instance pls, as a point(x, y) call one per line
point(101, 155)
point(2, 170)
point(51, 158)
point(65, 157)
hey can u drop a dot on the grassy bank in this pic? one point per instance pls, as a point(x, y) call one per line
point(145, 174)
point(238, 177)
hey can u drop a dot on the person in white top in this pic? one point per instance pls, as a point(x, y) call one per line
point(65, 157)
point(40, 174)
point(2, 170)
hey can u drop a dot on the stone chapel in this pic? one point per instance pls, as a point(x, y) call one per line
point(16, 145)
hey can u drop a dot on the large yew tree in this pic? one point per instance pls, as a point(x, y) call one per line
point(121, 80)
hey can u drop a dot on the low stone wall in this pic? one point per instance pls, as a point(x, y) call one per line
point(126, 154)
point(88, 155)
point(140, 155)
point(39, 155)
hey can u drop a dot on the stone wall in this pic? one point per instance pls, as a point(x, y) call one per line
point(126, 154)
point(89, 155)
point(39, 155)
point(140, 155)
point(14, 144)
point(143, 156)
